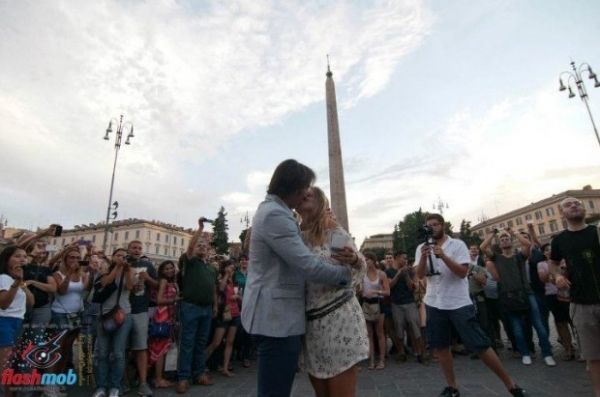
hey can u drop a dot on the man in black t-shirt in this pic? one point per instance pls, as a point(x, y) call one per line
point(579, 247)
point(404, 308)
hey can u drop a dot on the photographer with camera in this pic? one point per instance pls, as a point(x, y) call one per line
point(445, 262)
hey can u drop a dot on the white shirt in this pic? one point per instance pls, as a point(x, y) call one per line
point(17, 307)
point(447, 291)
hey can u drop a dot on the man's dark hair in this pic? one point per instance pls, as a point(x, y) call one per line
point(290, 177)
point(243, 256)
point(399, 253)
point(436, 217)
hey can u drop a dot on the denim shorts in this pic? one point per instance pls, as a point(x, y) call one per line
point(10, 329)
point(464, 320)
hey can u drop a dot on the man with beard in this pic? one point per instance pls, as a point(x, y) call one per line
point(446, 264)
point(580, 248)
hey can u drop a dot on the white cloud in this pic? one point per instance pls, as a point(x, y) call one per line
point(190, 76)
point(521, 150)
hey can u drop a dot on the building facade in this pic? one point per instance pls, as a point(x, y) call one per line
point(544, 214)
point(385, 241)
point(161, 241)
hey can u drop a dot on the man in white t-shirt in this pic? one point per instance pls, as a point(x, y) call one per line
point(445, 263)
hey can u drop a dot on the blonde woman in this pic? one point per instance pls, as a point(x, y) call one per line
point(336, 336)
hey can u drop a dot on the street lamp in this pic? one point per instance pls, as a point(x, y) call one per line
point(440, 205)
point(118, 137)
point(575, 76)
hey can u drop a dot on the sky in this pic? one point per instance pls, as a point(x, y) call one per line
point(452, 101)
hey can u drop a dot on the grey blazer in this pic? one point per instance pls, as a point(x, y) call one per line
point(280, 263)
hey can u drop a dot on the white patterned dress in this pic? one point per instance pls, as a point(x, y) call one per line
point(338, 340)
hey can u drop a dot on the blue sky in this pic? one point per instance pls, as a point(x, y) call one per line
point(456, 100)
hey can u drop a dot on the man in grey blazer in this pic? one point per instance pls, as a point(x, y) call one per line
point(280, 263)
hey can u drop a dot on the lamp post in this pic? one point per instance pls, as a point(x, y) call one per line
point(575, 75)
point(440, 205)
point(118, 137)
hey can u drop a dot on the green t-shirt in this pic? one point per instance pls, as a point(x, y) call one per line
point(198, 281)
point(581, 251)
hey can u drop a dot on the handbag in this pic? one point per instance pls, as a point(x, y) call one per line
point(113, 319)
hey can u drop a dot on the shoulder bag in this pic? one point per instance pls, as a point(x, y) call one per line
point(113, 319)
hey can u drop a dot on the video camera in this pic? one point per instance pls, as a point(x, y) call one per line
point(425, 236)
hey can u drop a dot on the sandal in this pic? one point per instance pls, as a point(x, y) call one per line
point(380, 365)
point(371, 366)
point(227, 374)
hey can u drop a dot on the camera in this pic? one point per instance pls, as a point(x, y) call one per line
point(425, 235)
point(132, 260)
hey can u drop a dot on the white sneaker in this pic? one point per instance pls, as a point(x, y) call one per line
point(549, 360)
point(113, 393)
point(526, 360)
point(99, 393)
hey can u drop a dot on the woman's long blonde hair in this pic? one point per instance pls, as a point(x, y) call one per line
point(314, 228)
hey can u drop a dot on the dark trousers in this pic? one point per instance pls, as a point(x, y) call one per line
point(277, 364)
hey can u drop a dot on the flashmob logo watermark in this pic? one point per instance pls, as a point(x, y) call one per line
point(12, 378)
point(41, 355)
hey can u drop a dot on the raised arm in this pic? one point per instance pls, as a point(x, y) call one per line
point(525, 243)
point(486, 245)
point(195, 238)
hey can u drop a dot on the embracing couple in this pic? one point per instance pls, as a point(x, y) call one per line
point(300, 290)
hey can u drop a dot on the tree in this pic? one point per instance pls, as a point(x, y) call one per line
point(220, 237)
point(467, 235)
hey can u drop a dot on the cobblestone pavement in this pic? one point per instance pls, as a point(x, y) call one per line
point(413, 379)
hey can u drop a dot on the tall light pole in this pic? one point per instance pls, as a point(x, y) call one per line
point(575, 75)
point(440, 205)
point(118, 137)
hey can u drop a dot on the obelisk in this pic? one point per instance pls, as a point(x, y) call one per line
point(336, 167)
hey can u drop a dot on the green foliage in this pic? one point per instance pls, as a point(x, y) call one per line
point(220, 237)
point(467, 235)
point(243, 235)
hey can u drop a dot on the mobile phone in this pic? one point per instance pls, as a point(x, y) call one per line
point(338, 242)
point(58, 231)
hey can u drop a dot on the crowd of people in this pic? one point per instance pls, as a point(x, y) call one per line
point(303, 299)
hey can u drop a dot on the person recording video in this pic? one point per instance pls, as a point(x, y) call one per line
point(445, 262)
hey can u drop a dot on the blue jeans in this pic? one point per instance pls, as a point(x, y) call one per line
point(277, 364)
point(516, 323)
point(195, 328)
point(111, 345)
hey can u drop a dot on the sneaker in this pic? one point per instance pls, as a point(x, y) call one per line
point(144, 390)
point(549, 360)
point(450, 392)
point(526, 360)
point(113, 393)
point(99, 393)
point(518, 392)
